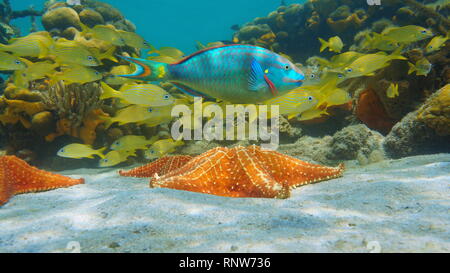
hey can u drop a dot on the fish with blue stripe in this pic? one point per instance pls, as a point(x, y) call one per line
point(233, 73)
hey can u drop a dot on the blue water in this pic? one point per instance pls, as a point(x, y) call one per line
point(180, 23)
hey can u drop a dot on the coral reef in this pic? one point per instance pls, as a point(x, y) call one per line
point(7, 14)
point(435, 112)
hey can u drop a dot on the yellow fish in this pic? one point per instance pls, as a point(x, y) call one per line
point(115, 157)
point(407, 34)
point(380, 42)
point(392, 90)
point(76, 74)
point(35, 44)
point(34, 71)
point(134, 40)
point(422, 67)
point(294, 102)
point(106, 33)
point(436, 43)
point(132, 142)
point(168, 51)
point(76, 150)
point(162, 147)
point(113, 78)
point(162, 59)
point(334, 44)
point(134, 114)
point(313, 114)
point(10, 62)
point(72, 52)
point(141, 94)
point(344, 59)
point(368, 64)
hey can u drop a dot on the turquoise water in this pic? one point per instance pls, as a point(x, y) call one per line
point(180, 23)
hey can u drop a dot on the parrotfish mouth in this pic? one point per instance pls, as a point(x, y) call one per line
point(288, 80)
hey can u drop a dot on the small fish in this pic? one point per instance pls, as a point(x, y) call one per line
point(114, 79)
point(294, 102)
point(334, 44)
point(313, 114)
point(141, 94)
point(161, 148)
point(33, 71)
point(368, 64)
point(233, 73)
point(392, 90)
point(168, 51)
point(132, 142)
point(422, 67)
point(114, 158)
point(134, 114)
point(106, 33)
point(72, 52)
point(380, 42)
point(35, 44)
point(436, 43)
point(134, 40)
point(407, 34)
point(74, 73)
point(10, 62)
point(76, 150)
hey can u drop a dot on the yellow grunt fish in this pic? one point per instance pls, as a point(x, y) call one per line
point(168, 51)
point(436, 43)
point(294, 102)
point(380, 42)
point(35, 44)
point(72, 52)
point(368, 64)
point(76, 74)
point(11, 62)
point(407, 34)
point(106, 33)
point(134, 114)
point(162, 147)
point(141, 94)
point(76, 150)
point(333, 44)
point(114, 158)
point(422, 67)
point(134, 40)
point(132, 142)
point(392, 90)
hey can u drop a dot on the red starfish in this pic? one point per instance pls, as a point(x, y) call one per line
point(159, 167)
point(16, 177)
point(245, 172)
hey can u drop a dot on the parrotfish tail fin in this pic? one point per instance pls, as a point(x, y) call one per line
point(109, 92)
point(324, 44)
point(147, 70)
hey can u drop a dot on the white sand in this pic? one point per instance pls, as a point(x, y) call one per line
point(392, 206)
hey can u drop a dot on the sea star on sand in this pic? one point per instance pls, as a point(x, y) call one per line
point(159, 167)
point(16, 177)
point(244, 172)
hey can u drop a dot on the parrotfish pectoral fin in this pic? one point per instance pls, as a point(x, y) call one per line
point(146, 70)
point(189, 91)
point(256, 79)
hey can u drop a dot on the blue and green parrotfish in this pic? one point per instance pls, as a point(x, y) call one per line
point(233, 73)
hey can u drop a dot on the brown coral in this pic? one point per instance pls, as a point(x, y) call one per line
point(352, 21)
point(435, 113)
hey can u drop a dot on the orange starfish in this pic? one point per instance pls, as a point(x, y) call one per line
point(16, 177)
point(245, 172)
point(159, 167)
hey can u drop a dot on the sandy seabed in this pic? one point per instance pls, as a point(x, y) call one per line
point(391, 206)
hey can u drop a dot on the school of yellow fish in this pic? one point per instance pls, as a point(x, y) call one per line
point(75, 61)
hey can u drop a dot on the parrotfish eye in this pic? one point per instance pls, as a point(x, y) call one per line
point(287, 67)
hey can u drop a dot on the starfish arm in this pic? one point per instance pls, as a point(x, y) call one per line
point(161, 166)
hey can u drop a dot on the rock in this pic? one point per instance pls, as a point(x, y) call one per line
point(60, 18)
point(91, 18)
point(435, 112)
point(43, 123)
point(407, 197)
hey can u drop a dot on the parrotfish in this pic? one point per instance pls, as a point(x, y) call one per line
point(233, 73)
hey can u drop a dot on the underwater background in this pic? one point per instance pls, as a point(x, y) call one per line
point(86, 93)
